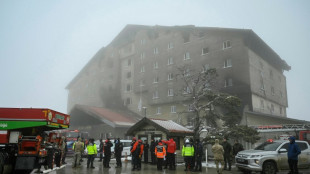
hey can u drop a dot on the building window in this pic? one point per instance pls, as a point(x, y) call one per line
point(173, 109)
point(142, 70)
point(190, 108)
point(142, 82)
point(186, 72)
point(155, 50)
point(156, 65)
point(272, 91)
point(205, 51)
point(262, 86)
point(170, 76)
point(262, 104)
point(271, 74)
point(227, 63)
point(170, 61)
point(128, 101)
point(170, 45)
point(186, 56)
point(272, 108)
point(170, 92)
point(129, 62)
point(228, 82)
point(226, 44)
point(128, 88)
point(128, 75)
point(155, 95)
point(187, 90)
point(156, 79)
point(205, 68)
point(142, 41)
point(281, 94)
point(142, 56)
point(158, 110)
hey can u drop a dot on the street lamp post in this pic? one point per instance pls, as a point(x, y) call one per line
point(144, 111)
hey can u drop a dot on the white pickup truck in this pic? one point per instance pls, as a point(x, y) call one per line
point(271, 157)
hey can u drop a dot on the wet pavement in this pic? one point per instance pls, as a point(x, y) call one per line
point(146, 168)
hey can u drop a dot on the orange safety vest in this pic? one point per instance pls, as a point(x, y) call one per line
point(160, 151)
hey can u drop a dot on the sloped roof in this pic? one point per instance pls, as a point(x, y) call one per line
point(171, 126)
point(104, 115)
point(168, 126)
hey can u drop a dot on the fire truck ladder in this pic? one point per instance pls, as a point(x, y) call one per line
point(281, 128)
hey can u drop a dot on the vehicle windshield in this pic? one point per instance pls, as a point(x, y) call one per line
point(268, 146)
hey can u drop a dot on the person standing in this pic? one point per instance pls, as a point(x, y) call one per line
point(227, 151)
point(198, 155)
point(101, 150)
point(135, 153)
point(65, 150)
point(188, 152)
point(107, 153)
point(146, 151)
point(141, 145)
point(92, 152)
point(160, 152)
point(152, 150)
point(118, 152)
point(218, 152)
point(171, 147)
point(292, 155)
point(78, 148)
point(237, 147)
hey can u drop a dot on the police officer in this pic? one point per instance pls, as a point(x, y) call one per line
point(145, 151)
point(218, 152)
point(188, 153)
point(198, 155)
point(118, 152)
point(227, 150)
point(152, 150)
point(101, 150)
point(92, 152)
point(78, 148)
point(107, 153)
point(160, 152)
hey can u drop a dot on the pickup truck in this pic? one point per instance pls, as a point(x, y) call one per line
point(271, 157)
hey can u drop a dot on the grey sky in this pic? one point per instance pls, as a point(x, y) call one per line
point(44, 44)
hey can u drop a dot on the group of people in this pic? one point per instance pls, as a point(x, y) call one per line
point(162, 153)
point(192, 153)
point(104, 147)
point(223, 153)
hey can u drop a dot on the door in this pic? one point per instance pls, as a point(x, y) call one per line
point(282, 158)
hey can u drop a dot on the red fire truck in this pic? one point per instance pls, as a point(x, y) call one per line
point(27, 141)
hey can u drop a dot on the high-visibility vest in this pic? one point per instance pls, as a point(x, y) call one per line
point(91, 149)
point(188, 150)
point(160, 151)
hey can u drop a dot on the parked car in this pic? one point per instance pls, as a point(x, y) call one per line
point(271, 157)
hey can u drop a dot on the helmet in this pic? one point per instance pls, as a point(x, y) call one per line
point(134, 139)
point(140, 141)
point(187, 141)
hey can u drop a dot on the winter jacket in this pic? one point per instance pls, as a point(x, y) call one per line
point(218, 150)
point(188, 150)
point(293, 150)
point(171, 146)
point(91, 149)
point(227, 147)
point(160, 151)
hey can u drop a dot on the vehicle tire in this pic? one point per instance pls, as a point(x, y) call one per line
point(1, 162)
point(269, 168)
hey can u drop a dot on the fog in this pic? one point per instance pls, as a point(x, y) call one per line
point(44, 44)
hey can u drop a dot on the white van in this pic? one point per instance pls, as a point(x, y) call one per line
point(126, 147)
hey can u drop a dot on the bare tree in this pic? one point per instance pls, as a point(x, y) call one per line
point(206, 104)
